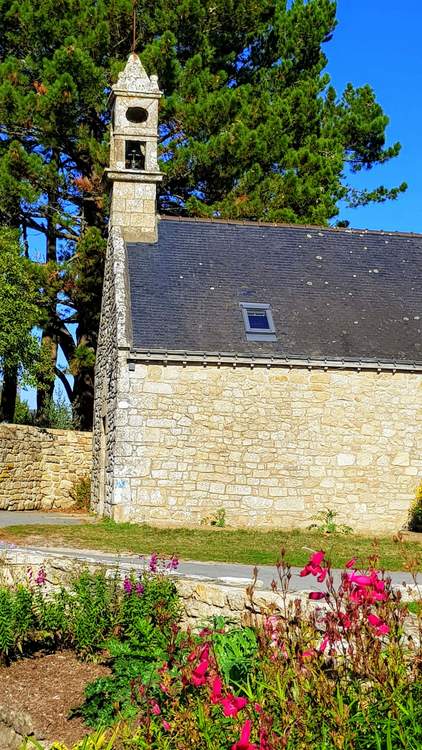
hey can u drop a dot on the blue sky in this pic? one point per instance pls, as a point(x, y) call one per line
point(379, 42)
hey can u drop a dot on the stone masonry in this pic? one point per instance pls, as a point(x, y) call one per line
point(38, 467)
point(270, 446)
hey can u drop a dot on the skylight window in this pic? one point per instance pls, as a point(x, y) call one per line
point(258, 321)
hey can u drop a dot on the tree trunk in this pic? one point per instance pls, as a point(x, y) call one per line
point(46, 380)
point(83, 387)
point(49, 339)
point(8, 395)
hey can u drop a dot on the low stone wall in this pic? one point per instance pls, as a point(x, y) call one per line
point(15, 727)
point(202, 599)
point(39, 466)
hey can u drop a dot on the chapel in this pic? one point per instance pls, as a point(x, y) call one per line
point(253, 372)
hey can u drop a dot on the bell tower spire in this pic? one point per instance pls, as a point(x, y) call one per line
point(134, 170)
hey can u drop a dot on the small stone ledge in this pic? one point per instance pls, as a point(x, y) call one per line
point(15, 727)
point(202, 598)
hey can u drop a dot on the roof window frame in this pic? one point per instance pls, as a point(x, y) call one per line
point(255, 334)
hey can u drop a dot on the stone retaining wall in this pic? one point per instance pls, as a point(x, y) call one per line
point(202, 599)
point(39, 466)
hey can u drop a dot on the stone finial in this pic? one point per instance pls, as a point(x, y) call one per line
point(135, 79)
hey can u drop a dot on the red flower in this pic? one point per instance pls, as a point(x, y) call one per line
point(351, 563)
point(316, 595)
point(198, 674)
point(381, 628)
point(243, 742)
point(216, 690)
point(232, 705)
point(317, 558)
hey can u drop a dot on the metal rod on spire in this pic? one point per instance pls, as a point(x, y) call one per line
point(133, 26)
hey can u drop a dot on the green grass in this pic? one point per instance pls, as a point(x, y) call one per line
point(247, 546)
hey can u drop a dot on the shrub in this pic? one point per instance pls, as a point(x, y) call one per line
point(415, 512)
point(81, 493)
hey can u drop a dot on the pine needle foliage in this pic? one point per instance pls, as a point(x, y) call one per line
point(250, 128)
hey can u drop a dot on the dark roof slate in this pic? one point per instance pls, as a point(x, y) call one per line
point(333, 293)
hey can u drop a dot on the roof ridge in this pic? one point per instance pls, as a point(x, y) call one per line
point(286, 225)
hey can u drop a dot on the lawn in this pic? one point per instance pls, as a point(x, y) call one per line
point(247, 546)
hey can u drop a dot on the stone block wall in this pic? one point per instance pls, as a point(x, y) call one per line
point(38, 467)
point(272, 446)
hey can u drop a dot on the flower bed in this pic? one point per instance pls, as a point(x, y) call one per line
point(343, 674)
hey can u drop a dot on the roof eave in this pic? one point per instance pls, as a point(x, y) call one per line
point(233, 359)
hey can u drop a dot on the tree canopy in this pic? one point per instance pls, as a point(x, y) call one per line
point(19, 350)
point(250, 127)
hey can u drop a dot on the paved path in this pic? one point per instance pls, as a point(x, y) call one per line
point(233, 572)
point(225, 573)
point(24, 517)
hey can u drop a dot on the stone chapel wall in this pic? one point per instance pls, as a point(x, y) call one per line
point(39, 466)
point(270, 446)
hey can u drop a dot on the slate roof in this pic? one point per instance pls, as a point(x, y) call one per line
point(334, 293)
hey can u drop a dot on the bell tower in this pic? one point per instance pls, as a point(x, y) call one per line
point(134, 170)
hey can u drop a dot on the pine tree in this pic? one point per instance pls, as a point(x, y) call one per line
point(19, 351)
point(250, 127)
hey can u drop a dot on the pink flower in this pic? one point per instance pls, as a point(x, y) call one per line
point(166, 725)
point(41, 577)
point(317, 558)
point(258, 708)
point(324, 643)
point(127, 585)
point(232, 705)
point(243, 743)
point(309, 653)
point(153, 563)
point(351, 563)
point(317, 595)
point(306, 571)
point(173, 563)
point(216, 690)
point(360, 580)
point(198, 674)
point(156, 709)
point(381, 628)
point(314, 568)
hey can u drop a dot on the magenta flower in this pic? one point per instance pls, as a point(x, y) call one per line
point(198, 674)
point(316, 595)
point(127, 585)
point(381, 628)
point(173, 563)
point(324, 643)
point(232, 705)
point(313, 567)
point(243, 742)
point(317, 558)
point(360, 580)
point(41, 577)
point(216, 690)
point(153, 563)
point(139, 589)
